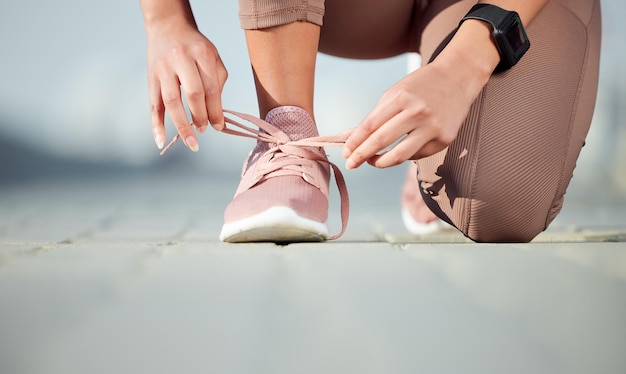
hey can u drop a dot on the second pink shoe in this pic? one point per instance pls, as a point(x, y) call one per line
point(416, 216)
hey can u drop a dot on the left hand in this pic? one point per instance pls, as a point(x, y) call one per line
point(421, 114)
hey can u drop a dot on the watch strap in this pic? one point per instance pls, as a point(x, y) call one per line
point(497, 17)
point(488, 13)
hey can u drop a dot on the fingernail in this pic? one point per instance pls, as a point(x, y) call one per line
point(202, 129)
point(345, 153)
point(350, 164)
point(192, 143)
point(160, 141)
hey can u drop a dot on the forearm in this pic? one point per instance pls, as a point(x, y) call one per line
point(472, 51)
point(161, 15)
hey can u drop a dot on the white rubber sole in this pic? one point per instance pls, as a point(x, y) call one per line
point(278, 224)
point(418, 228)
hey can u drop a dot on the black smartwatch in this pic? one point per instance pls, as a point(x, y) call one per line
point(508, 32)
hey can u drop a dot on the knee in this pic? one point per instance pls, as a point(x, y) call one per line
point(502, 236)
point(501, 225)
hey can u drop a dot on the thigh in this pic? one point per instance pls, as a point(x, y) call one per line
point(504, 177)
point(369, 28)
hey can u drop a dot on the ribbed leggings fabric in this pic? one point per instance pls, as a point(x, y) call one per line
point(504, 177)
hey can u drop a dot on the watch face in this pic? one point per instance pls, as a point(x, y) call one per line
point(512, 39)
point(516, 36)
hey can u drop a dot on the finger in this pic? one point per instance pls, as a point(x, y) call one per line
point(214, 77)
point(384, 137)
point(410, 146)
point(370, 123)
point(157, 112)
point(192, 87)
point(170, 90)
point(384, 111)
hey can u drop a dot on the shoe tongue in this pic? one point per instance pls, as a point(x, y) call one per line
point(293, 121)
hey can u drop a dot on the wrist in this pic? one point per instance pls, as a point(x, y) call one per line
point(168, 18)
point(471, 55)
point(170, 27)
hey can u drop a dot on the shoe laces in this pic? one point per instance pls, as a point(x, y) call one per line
point(289, 157)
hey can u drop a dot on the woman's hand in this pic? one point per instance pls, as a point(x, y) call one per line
point(180, 57)
point(422, 113)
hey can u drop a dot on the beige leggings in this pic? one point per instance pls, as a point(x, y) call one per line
point(504, 178)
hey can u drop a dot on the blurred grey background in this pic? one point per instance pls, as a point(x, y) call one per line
point(73, 94)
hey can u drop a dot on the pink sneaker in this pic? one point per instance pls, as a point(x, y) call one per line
point(283, 193)
point(416, 216)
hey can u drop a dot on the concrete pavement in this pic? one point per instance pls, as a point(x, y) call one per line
point(124, 273)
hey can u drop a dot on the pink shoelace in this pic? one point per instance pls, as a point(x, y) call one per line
point(280, 142)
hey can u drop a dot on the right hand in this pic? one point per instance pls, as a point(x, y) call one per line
point(180, 57)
